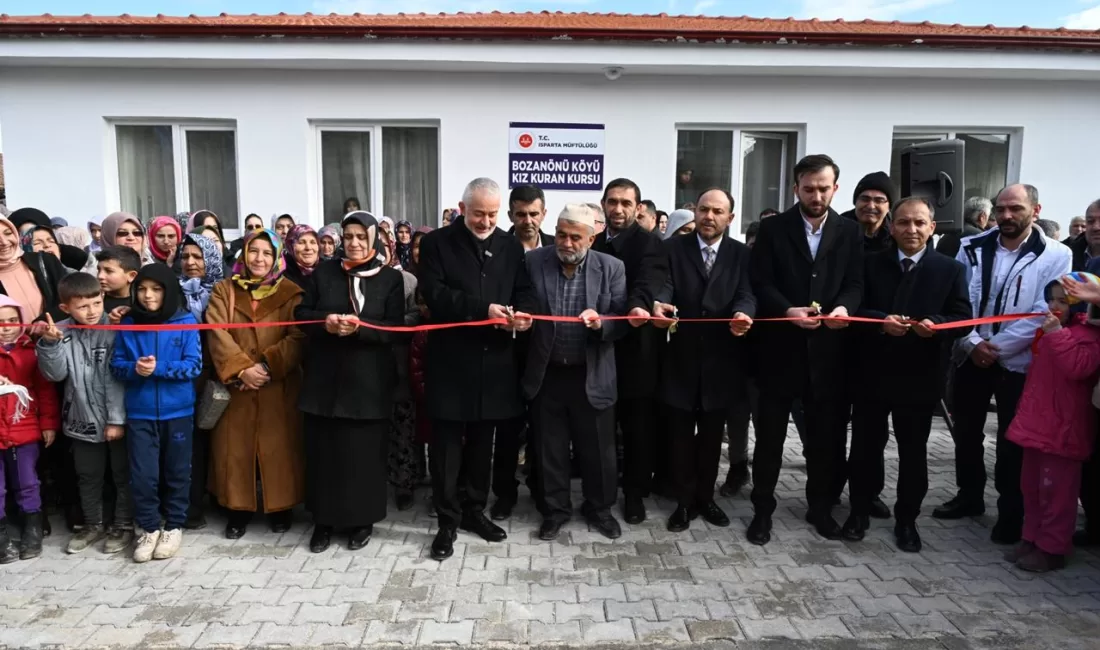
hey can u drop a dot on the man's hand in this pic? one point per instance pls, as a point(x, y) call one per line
point(255, 377)
point(347, 325)
point(895, 326)
point(591, 319)
point(114, 432)
point(638, 317)
point(332, 324)
point(985, 354)
point(740, 324)
point(803, 315)
point(1084, 292)
point(664, 315)
point(521, 322)
point(1052, 323)
point(925, 329)
point(839, 312)
point(115, 317)
point(51, 333)
point(48, 436)
point(145, 366)
point(499, 311)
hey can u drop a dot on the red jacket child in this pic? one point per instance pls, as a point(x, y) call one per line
point(19, 366)
point(1055, 414)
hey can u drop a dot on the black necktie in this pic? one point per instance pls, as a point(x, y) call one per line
point(907, 265)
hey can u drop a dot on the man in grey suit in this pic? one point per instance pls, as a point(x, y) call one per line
point(570, 375)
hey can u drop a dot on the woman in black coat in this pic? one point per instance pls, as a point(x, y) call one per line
point(348, 383)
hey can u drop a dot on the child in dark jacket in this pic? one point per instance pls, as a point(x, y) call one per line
point(1055, 423)
point(158, 368)
point(29, 414)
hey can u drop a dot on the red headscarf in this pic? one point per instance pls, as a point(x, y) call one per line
point(157, 224)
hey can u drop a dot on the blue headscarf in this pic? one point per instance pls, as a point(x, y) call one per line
point(196, 291)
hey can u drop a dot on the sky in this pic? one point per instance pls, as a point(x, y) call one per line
point(1080, 14)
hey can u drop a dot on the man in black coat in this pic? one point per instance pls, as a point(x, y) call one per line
point(704, 363)
point(875, 195)
point(900, 365)
point(471, 271)
point(806, 261)
point(636, 354)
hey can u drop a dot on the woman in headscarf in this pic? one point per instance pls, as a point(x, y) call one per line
point(351, 204)
point(96, 234)
point(74, 236)
point(124, 229)
point(164, 240)
point(414, 248)
point(27, 218)
point(347, 390)
point(329, 239)
point(252, 223)
point(302, 253)
point(388, 246)
point(201, 218)
point(258, 441)
point(58, 222)
point(29, 277)
point(201, 268)
point(282, 224)
point(680, 222)
point(404, 244)
point(43, 240)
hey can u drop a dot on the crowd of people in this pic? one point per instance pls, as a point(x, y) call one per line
point(625, 348)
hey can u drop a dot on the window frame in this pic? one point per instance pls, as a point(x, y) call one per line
point(1014, 135)
point(180, 173)
point(761, 131)
point(375, 182)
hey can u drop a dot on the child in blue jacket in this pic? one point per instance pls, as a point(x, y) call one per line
point(158, 369)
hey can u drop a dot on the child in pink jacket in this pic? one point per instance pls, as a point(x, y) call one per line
point(1055, 423)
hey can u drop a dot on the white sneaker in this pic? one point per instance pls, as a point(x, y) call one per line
point(168, 545)
point(146, 544)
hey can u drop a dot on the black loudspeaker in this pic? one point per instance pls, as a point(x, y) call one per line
point(934, 170)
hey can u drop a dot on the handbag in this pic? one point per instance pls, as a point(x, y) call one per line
point(215, 395)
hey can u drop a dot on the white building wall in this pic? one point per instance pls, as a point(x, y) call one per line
point(57, 136)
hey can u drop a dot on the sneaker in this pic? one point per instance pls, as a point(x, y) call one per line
point(146, 544)
point(85, 538)
point(168, 545)
point(118, 540)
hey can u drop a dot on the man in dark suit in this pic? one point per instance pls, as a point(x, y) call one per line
point(570, 372)
point(704, 366)
point(471, 271)
point(900, 365)
point(806, 261)
point(635, 354)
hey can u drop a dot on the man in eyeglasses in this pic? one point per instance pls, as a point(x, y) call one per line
point(874, 196)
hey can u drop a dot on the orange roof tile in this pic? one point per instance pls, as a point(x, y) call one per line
point(547, 25)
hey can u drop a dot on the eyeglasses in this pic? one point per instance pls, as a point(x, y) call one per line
point(256, 226)
point(877, 200)
point(127, 233)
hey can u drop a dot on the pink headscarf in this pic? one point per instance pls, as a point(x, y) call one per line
point(157, 224)
point(13, 259)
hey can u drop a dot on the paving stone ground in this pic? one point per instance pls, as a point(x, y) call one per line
point(706, 587)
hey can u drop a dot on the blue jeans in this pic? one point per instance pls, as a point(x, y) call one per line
point(160, 453)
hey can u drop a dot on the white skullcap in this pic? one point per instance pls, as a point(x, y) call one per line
point(579, 213)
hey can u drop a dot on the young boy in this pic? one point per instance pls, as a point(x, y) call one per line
point(118, 266)
point(158, 369)
point(94, 415)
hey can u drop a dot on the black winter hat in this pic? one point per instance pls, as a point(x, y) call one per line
point(877, 181)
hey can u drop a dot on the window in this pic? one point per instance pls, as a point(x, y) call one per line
point(989, 161)
point(405, 185)
point(751, 164)
point(168, 168)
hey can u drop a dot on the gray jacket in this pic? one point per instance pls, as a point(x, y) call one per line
point(93, 397)
point(605, 284)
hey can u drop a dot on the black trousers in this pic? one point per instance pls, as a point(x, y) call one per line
point(820, 447)
point(1090, 492)
point(562, 415)
point(694, 450)
point(461, 460)
point(743, 410)
point(870, 431)
point(638, 420)
point(506, 444)
point(973, 388)
point(97, 464)
point(200, 469)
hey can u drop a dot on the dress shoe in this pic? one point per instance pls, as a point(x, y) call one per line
point(280, 522)
point(359, 537)
point(825, 525)
point(605, 525)
point(634, 511)
point(1006, 532)
point(403, 499)
point(907, 537)
point(1086, 537)
point(443, 546)
point(760, 530)
point(855, 528)
point(879, 509)
point(959, 508)
point(550, 529)
point(737, 478)
point(681, 519)
point(237, 525)
point(1039, 561)
point(478, 524)
point(1021, 550)
point(502, 509)
point(321, 539)
point(713, 515)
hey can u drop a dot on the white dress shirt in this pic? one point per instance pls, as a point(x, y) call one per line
point(713, 247)
point(916, 257)
point(813, 237)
